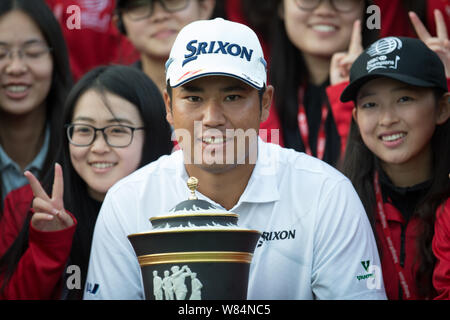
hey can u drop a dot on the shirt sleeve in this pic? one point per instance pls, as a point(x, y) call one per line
point(114, 272)
point(346, 262)
point(441, 250)
point(39, 272)
point(16, 207)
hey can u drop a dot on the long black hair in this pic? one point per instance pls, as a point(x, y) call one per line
point(360, 165)
point(61, 83)
point(288, 71)
point(134, 86)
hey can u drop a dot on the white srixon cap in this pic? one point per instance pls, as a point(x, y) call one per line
point(216, 47)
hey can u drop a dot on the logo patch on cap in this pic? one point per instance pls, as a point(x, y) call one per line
point(196, 48)
point(216, 47)
point(379, 50)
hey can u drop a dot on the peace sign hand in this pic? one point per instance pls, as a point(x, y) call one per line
point(49, 213)
point(341, 62)
point(439, 44)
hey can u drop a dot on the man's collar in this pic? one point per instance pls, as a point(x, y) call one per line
point(262, 186)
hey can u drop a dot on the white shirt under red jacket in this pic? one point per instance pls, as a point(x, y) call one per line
point(327, 250)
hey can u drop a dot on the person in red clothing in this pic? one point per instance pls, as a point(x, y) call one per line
point(398, 159)
point(152, 26)
point(395, 21)
point(34, 82)
point(441, 250)
point(91, 35)
point(114, 125)
point(257, 14)
point(307, 35)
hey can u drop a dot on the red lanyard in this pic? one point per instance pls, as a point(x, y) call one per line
point(388, 237)
point(304, 129)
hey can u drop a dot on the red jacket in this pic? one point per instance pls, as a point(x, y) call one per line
point(39, 272)
point(441, 249)
point(16, 206)
point(395, 20)
point(97, 41)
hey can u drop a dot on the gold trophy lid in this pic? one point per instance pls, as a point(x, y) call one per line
point(192, 184)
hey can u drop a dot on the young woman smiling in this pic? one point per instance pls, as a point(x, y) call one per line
point(152, 26)
point(313, 45)
point(398, 160)
point(34, 81)
point(115, 124)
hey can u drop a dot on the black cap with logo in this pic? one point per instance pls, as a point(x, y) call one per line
point(408, 60)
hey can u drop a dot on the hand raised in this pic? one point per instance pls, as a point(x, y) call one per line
point(49, 213)
point(341, 62)
point(439, 44)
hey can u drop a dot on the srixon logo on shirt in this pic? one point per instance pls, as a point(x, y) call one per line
point(275, 236)
point(196, 48)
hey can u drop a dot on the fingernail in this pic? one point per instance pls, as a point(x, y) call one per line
point(55, 211)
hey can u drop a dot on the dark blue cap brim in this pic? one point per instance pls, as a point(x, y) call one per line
point(351, 91)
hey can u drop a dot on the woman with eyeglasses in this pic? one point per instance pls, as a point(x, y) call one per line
point(114, 124)
point(152, 26)
point(34, 81)
point(313, 45)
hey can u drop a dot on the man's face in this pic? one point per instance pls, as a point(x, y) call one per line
point(216, 121)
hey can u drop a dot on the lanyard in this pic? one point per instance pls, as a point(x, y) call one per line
point(304, 129)
point(388, 236)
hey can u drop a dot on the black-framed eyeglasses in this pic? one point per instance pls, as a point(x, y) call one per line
point(117, 135)
point(142, 9)
point(338, 5)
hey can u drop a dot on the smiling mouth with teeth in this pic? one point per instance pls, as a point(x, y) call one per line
point(16, 89)
point(102, 165)
point(323, 28)
point(393, 137)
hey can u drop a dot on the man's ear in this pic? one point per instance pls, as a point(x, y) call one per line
point(206, 8)
point(266, 102)
point(168, 104)
point(443, 109)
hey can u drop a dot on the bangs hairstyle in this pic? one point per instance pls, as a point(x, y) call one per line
point(360, 165)
point(136, 87)
point(40, 13)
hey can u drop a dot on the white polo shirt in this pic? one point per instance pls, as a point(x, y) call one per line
point(317, 242)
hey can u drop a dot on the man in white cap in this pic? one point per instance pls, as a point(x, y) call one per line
point(316, 240)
